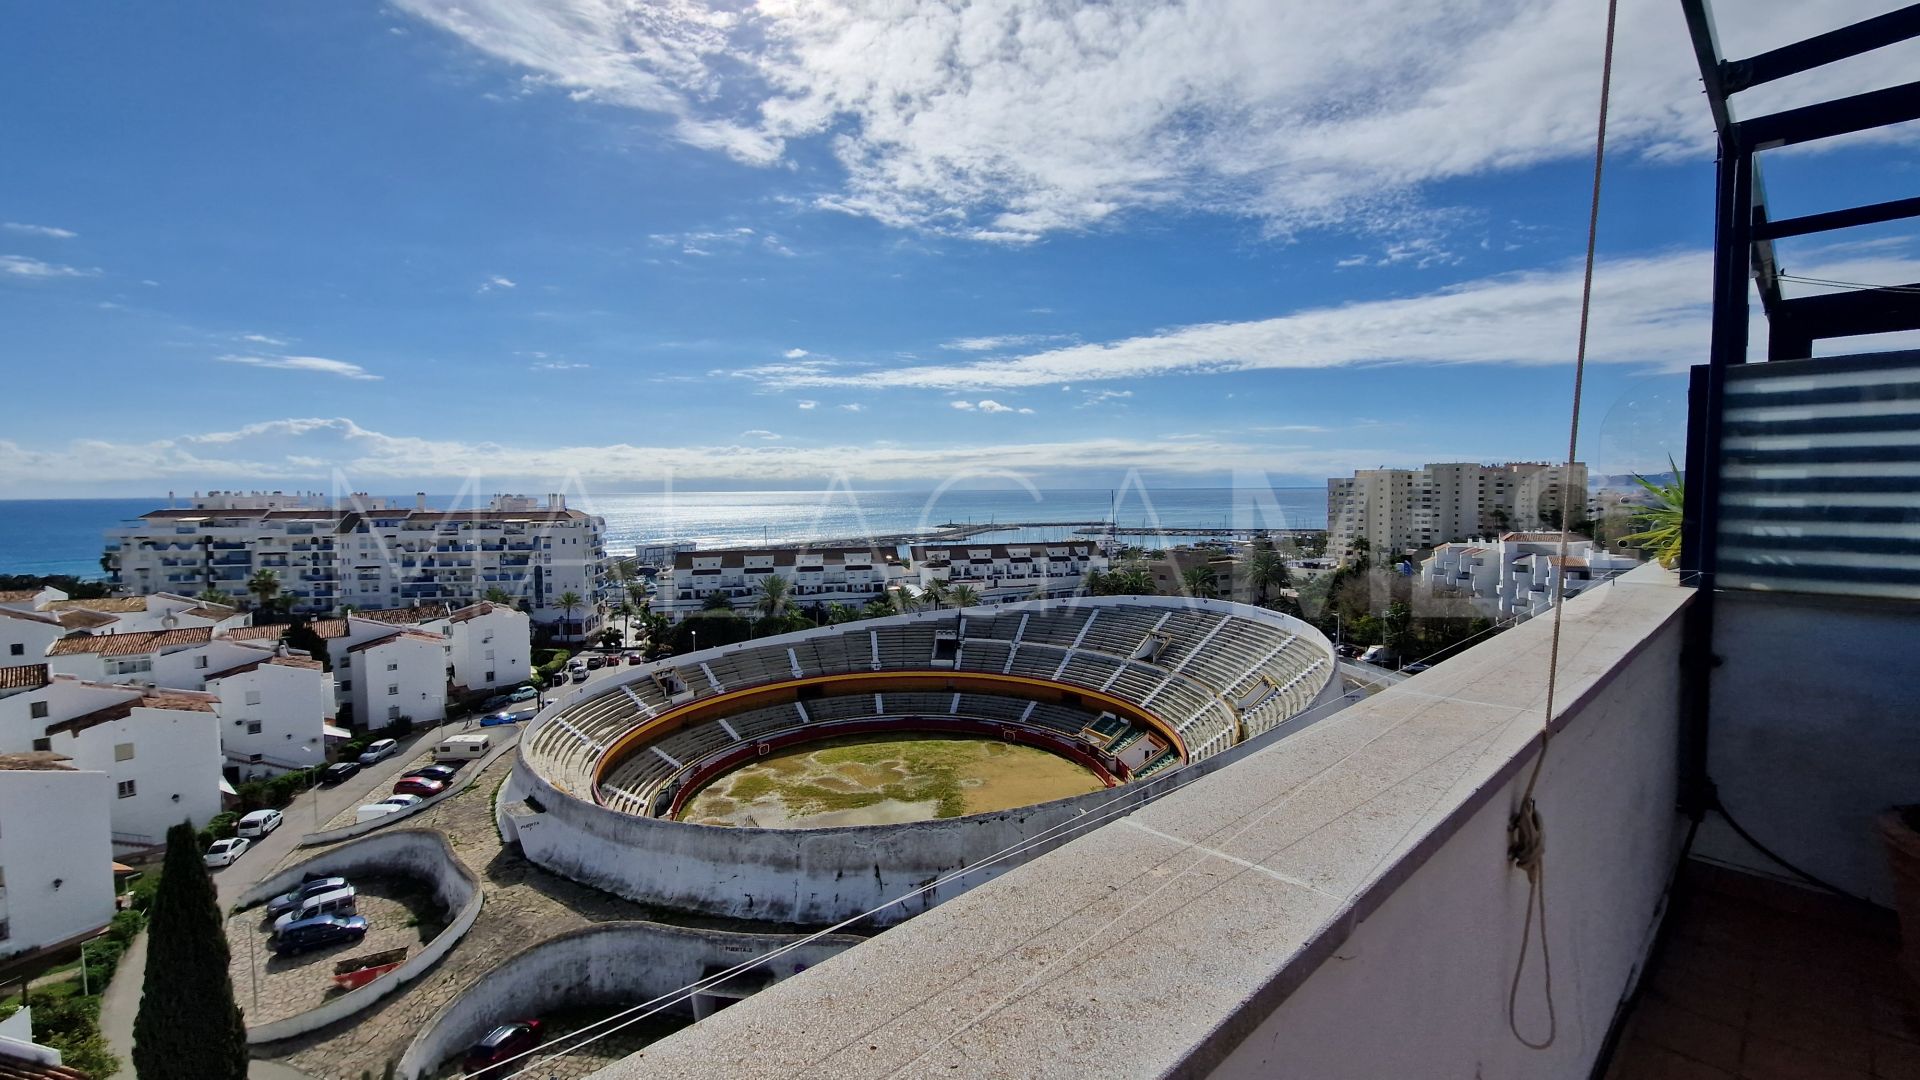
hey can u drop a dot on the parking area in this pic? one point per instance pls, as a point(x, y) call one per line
point(592, 1056)
point(401, 914)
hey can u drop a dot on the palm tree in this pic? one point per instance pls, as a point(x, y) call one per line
point(902, 601)
point(838, 613)
point(569, 602)
point(1661, 537)
point(775, 595)
point(264, 585)
point(1266, 570)
point(214, 596)
point(498, 595)
point(625, 613)
point(1201, 582)
point(963, 596)
point(936, 591)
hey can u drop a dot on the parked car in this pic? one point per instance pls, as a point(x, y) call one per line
point(340, 901)
point(338, 772)
point(503, 1042)
point(596, 662)
point(579, 675)
point(379, 751)
point(290, 901)
point(401, 802)
point(443, 773)
point(497, 701)
point(318, 933)
point(635, 658)
point(418, 785)
point(498, 719)
point(525, 693)
point(258, 824)
point(1416, 667)
point(223, 852)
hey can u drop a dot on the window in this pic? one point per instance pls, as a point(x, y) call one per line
point(393, 689)
point(346, 684)
point(393, 665)
point(123, 751)
point(489, 679)
point(200, 662)
point(43, 744)
point(17, 649)
point(253, 697)
point(38, 710)
point(489, 654)
point(253, 727)
point(126, 789)
point(393, 712)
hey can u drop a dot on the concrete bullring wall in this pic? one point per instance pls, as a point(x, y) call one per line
point(620, 963)
point(420, 853)
point(818, 876)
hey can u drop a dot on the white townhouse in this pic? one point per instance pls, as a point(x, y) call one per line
point(398, 675)
point(160, 748)
point(158, 611)
point(56, 852)
point(370, 553)
point(128, 658)
point(1005, 573)
point(489, 646)
point(275, 712)
point(25, 635)
point(822, 576)
point(1520, 573)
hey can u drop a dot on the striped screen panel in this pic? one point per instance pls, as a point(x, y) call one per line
point(1821, 476)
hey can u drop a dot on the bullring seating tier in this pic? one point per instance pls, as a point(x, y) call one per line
point(1224, 674)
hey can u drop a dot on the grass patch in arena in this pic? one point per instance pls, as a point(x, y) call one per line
point(886, 779)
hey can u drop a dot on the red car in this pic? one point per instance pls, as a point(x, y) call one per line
point(503, 1042)
point(418, 785)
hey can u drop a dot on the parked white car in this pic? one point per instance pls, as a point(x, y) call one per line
point(379, 751)
point(223, 852)
point(390, 805)
point(258, 824)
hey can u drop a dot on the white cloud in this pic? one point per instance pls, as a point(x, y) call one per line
point(794, 354)
point(308, 450)
point(262, 339)
point(1650, 310)
point(990, 405)
point(961, 404)
point(760, 433)
point(1101, 397)
point(26, 266)
point(804, 404)
point(706, 242)
point(995, 343)
point(557, 365)
point(854, 406)
point(987, 405)
point(47, 231)
point(496, 282)
point(317, 364)
point(1008, 119)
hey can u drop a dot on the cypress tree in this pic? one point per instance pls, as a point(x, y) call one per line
point(188, 1027)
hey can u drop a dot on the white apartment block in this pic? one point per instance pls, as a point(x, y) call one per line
point(1404, 510)
point(400, 675)
point(1520, 573)
point(815, 576)
point(160, 748)
point(56, 852)
point(274, 713)
point(369, 553)
point(1006, 573)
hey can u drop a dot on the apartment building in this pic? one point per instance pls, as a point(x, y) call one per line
point(370, 553)
point(1520, 573)
point(160, 748)
point(1005, 573)
point(850, 576)
point(489, 647)
point(56, 852)
point(1404, 510)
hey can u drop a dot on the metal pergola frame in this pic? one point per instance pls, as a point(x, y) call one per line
point(1743, 252)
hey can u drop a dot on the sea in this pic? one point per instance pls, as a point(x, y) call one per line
point(64, 536)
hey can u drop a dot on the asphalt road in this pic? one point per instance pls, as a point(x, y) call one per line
point(122, 999)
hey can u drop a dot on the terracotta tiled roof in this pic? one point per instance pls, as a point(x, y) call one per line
point(131, 644)
point(308, 663)
point(18, 596)
point(329, 628)
point(255, 633)
point(281, 661)
point(473, 611)
point(405, 616)
point(115, 605)
point(175, 700)
point(23, 677)
point(216, 612)
point(35, 761)
point(83, 619)
point(395, 636)
point(31, 616)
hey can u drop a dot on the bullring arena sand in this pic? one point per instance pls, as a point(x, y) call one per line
point(885, 780)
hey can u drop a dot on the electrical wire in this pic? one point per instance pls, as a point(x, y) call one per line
point(1721, 809)
point(1834, 284)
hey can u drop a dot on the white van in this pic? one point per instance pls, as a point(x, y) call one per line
point(463, 748)
point(340, 901)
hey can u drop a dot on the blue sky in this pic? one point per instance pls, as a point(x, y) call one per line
point(763, 245)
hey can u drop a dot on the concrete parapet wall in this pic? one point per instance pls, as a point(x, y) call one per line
point(620, 963)
point(472, 771)
point(419, 853)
